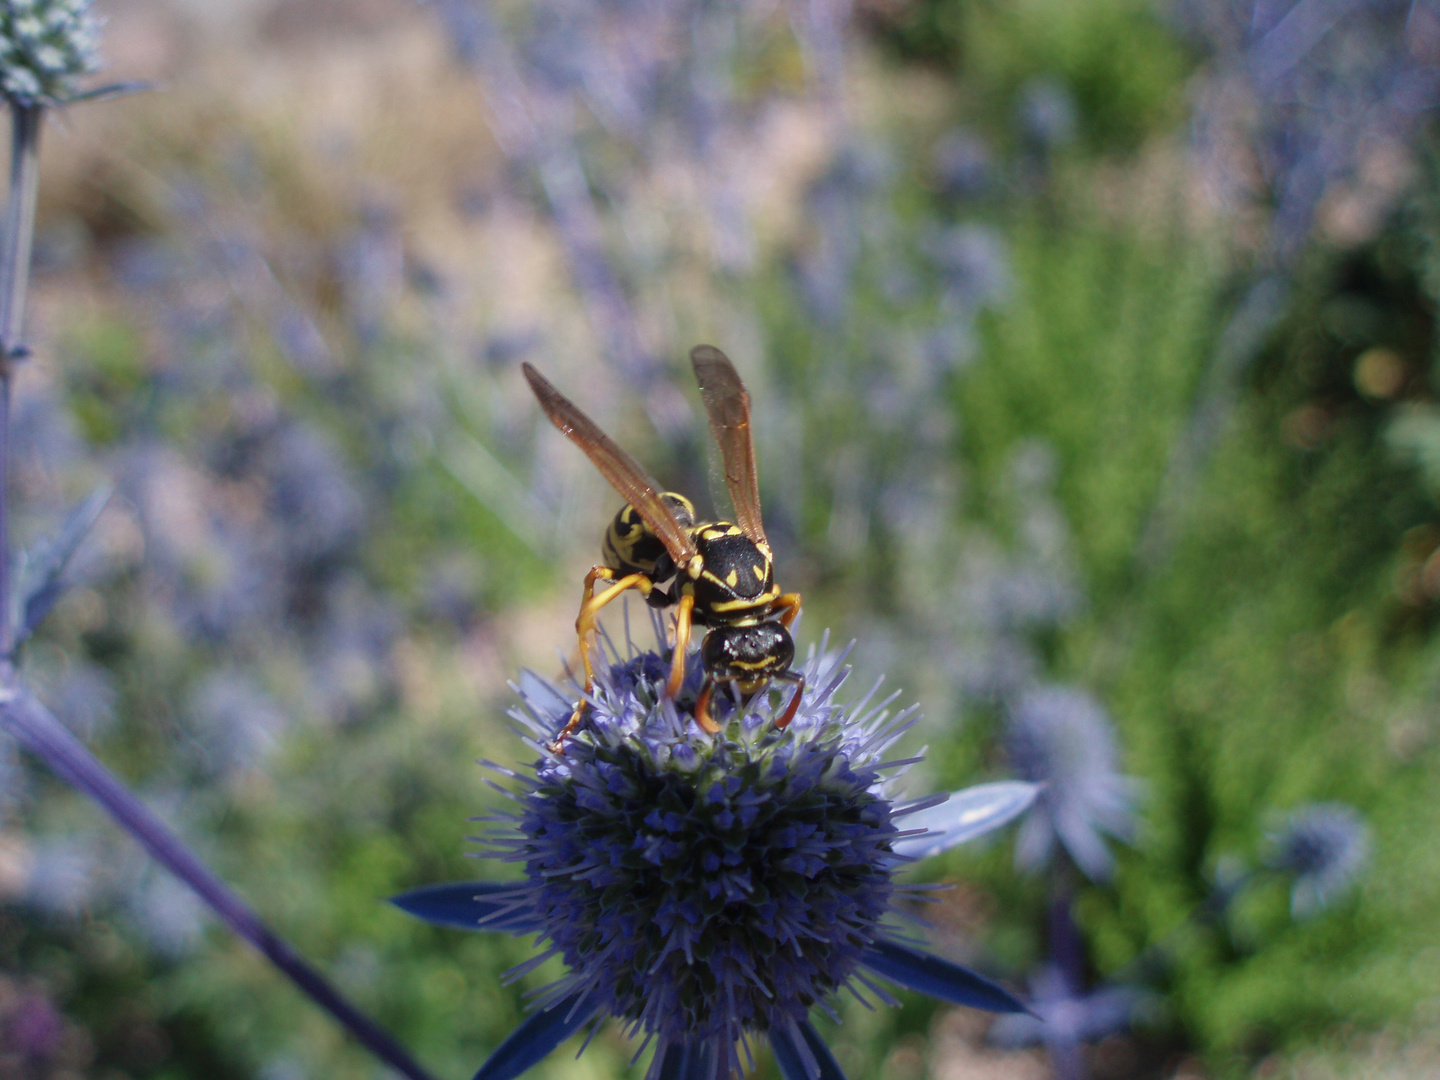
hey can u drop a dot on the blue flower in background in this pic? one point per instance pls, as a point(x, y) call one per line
point(1326, 846)
point(1060, 737)
point(1063, 1019)
point(709, 890)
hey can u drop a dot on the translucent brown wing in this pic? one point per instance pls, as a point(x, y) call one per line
point(728, 405)
point(615, 465)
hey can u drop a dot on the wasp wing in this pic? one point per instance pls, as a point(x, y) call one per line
point(728, 406)
point(615, 465)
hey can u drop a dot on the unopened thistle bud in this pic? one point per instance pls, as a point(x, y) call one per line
point(45, 46)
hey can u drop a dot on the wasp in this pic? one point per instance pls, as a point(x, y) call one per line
point(721, 573)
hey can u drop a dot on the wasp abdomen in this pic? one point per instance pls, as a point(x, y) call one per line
point(631, 546)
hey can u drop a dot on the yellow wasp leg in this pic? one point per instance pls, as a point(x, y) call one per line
point(789, 605)
point(789, 714)
point(682, 642)
point(702, 707)
point(590, 606)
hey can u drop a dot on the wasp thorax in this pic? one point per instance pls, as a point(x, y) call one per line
point(737, 577)
point(631, 546)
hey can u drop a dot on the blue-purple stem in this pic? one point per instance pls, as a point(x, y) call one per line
point(1067, 952)
point(15, 268)
point(37, 729)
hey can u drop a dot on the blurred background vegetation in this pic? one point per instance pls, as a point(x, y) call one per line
point(1091, 343)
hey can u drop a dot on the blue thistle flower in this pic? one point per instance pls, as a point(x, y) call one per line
point(1060, 737)
point(708, 890)
point(1326, 846)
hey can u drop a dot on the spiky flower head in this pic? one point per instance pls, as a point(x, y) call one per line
point(45, 46)
point(706, 890)
point(1060, 737)
point(1326, 846)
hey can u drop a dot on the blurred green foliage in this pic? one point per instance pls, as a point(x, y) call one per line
point(1119, 59)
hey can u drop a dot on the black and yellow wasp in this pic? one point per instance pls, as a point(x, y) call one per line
point(722, 571)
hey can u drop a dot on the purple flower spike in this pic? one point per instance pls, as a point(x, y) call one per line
point(707, 890)
point(1060, 737)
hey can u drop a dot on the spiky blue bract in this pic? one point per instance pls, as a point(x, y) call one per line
point(703, 889)
point(471, 905)
point(966, 815)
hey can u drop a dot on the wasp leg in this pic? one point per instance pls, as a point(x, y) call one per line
point(789, 713)
point(590, 606)
point(702, 706)
point(682, 642)
point(789, 606)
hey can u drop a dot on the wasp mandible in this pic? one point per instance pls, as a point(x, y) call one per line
point(723, 574)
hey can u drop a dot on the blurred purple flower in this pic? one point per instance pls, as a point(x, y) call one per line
point(1326, 846)
point(350, 660)
point(235, 723)
point(974, 266)
point(505, 350)
point(370, 263)
point(1061, 738)
point(84, 698)
point(846, 205)
point(1047, 114)
point(44, 433)
point(302, 343)
point(168, 913)
point(1064, 1020)
point(31, 1030)
point(962, 163)
point(62, 876)
point(317, 508)
point(1329, 95)
point(145, 264)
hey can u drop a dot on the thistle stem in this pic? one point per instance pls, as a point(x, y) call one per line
point(14, 281)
